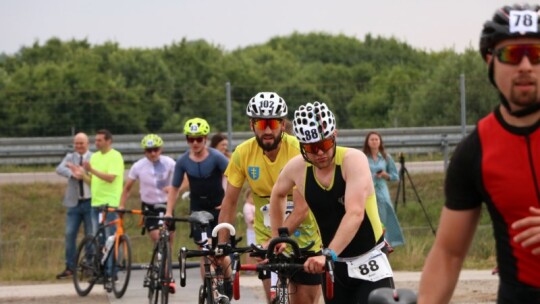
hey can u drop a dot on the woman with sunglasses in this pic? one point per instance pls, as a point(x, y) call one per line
point(204, 168)
point(337, 186)
point(259, 161)
point(498, 164)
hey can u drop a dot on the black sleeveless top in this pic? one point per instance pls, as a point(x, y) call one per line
point(328, 207)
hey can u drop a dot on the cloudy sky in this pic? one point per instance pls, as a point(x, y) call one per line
point(431, 25)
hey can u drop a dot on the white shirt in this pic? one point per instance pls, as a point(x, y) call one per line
point(153, 178)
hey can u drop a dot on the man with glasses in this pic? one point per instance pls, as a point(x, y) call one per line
point(498, 164)
point(337, 186)
point(154, 172)
point(204, 168)
point(259, 161)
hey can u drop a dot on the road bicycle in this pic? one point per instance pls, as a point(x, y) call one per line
point(285, 265)
point(388, 295)
point(96, 250)
point(159, 273)
point(214, 289)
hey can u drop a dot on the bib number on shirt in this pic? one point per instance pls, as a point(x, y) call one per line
point(372, 266)
point(266, 212)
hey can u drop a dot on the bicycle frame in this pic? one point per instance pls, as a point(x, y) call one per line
point(164, 268)
point(287, 266)
point(92, 261)
point(119, 222)
point(213, 290)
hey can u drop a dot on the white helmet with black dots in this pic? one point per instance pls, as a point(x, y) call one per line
point(313, 122)
point(266, 105)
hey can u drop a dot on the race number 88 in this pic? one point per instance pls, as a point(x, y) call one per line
point(311, 134)
point(367, 268)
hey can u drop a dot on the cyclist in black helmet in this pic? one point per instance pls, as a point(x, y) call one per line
point(498, 164)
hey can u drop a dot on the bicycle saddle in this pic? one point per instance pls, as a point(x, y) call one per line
point(387, 295)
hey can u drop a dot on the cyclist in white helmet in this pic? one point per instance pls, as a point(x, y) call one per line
point(259, 161)
point(337, 186)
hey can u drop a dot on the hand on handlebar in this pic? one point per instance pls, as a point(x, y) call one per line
point(315, 264)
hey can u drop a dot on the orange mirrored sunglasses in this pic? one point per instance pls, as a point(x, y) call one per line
point(262, 124)
point(323, 145)
point(513, 54)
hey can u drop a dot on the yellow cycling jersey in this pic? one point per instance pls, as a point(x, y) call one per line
point(249, 162)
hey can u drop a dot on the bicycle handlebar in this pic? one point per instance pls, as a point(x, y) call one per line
point(232, 230)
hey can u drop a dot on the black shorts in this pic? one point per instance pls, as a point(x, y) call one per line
point(300, 278)
point(196, 231)
point(517, 293)
point(351, 290)
point(153, 224)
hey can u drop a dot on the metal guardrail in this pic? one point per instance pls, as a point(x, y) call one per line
point(51, 150)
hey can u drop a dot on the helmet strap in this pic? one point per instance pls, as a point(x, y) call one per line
point(519, 113)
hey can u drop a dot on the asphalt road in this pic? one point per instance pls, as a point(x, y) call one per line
point(52, 177)
point(474, 286)
point(64, 292)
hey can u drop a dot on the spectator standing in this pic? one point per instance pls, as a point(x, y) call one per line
point(76, 199)
point(383, 170)
point(106, 167)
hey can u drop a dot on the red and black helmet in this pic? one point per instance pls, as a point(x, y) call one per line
point(504, 26)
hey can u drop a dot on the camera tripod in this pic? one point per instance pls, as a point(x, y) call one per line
point(401, 185)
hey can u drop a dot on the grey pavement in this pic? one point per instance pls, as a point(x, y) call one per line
point(250, 291)
point(52, 177)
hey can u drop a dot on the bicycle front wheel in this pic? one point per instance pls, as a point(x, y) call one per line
point(165, 270)
point(121, 266)
point(87, 266)
point(152, 277)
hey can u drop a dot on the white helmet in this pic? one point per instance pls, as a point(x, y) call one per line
point(266, 105)
point(313, 122)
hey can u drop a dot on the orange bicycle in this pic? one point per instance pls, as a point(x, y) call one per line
point(95, 250)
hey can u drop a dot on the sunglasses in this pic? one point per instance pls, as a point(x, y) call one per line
point(194, 139)
point(150, 150)
point(323, 145)
point(513, 54)
point(262, 124)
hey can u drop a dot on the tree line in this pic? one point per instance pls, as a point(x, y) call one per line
point(53, 88)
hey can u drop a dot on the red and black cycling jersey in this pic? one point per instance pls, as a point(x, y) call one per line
point(500, 165)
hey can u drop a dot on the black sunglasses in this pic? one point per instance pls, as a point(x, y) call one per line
point(194, 139)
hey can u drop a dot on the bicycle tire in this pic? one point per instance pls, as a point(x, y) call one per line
point(121, 270)
point(164, 271)
point(208, 282)
point(202, 294)
point(152, 275)
point(87, 267)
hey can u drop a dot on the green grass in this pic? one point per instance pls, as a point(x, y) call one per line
point(32, 230)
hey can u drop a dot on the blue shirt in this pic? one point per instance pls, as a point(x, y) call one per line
point(205, 179)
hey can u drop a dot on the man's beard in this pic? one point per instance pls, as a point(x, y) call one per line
point(524, 99)
point(269, 147)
